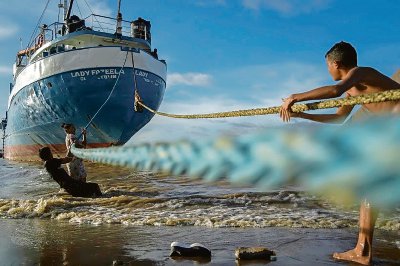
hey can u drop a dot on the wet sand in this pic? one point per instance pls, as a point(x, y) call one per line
point(142, 213)
point(49, 242)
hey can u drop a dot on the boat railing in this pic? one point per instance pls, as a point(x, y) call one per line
point(107, 24)
point(139, 28)
point(54, 30)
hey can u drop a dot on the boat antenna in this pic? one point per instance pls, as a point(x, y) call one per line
point(118, 31)
point(119, 6)
point(65, 8)
point(69, 10)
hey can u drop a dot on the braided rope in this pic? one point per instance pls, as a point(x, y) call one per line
point(390, 95)
point(352, 161)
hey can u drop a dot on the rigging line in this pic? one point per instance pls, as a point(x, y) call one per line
point(109, 96)
point(134, 72)
point(134, 69)
point(93, 15)
point(134, 82)
point(77, 5)
point(136, 97)
point(37, 25)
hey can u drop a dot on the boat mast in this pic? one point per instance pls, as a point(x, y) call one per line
point(69, 10)
point(119, 6)
point(118, 31)
point(65, 8)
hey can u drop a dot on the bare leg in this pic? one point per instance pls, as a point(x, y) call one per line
point(362, 253)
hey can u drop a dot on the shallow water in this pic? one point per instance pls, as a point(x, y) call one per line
point(141, 213)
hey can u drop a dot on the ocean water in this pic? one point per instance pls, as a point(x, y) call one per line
point(141, 213)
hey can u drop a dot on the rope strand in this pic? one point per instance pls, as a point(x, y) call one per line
point(390, 95)
point(346, 161)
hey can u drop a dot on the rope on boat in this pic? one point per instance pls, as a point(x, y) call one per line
point(350, 162)
point(390, 95)
point(110, 94)
point(108, 97)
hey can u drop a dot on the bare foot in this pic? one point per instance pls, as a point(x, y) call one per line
point(355, 255)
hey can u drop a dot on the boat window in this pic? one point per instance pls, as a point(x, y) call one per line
point(60, 48)
point(53, 50)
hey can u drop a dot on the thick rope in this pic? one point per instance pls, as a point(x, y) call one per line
point(352, 162)
point(391, 95)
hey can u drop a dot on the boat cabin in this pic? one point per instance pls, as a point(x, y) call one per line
point(77, 33)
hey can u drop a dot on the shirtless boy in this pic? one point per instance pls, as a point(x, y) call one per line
point(341, 61)
point(74, 187)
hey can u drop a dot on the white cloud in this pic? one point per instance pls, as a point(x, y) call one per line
point(7, 30)
point(211, 2)
point(287, 7)
point(189, 79)
point(274, 81)
point(4, 70)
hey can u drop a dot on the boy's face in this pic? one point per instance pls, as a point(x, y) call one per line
point(333, 69)
point(69, 130)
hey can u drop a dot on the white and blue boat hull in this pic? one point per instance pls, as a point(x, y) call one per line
point(70, 87)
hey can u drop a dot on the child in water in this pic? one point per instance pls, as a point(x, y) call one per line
point(75, 168)
point(74, 187)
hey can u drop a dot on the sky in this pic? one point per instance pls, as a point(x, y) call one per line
point(229, 54)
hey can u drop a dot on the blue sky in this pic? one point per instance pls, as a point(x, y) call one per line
point(230, 54)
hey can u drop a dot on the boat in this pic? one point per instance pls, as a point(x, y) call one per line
point(85, 71)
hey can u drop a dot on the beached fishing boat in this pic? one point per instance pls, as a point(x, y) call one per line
point(85, 72)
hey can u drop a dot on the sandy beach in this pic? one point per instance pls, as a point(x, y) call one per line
point(142, 213)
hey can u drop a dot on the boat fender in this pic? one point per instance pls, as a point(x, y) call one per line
point(194, 250)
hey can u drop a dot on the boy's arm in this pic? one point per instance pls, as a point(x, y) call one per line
point(341, 114)
point(325, 92)
point(337, 118)
point(81, 144)
point(66, 160)
point(84, 142)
